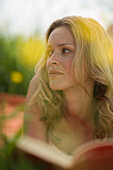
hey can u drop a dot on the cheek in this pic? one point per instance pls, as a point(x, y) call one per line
point(68, 66)
point(70, 72)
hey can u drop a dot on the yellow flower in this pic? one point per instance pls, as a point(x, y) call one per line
point(32, 51)
point(16, 77)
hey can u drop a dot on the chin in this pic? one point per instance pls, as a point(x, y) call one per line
point(55, 88)
point(58, 87)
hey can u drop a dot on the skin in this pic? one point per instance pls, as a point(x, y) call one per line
point(33, 126)
point(61, 50)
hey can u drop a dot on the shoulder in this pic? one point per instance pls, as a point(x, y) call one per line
point(33, 86)
point(33, 126)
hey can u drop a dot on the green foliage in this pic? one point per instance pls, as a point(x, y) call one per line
point(10, 52)
point(11, 161)
point(10, 157)
point(15, 76)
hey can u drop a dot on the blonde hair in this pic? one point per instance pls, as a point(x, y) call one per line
point(93, 58)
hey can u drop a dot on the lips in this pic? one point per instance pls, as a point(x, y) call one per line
point(54, 73)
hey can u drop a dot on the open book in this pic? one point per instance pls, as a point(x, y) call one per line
point(94, 155)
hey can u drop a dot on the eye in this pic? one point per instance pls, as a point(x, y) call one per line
point(66, 50)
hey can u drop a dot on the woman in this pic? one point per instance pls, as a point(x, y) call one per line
point(70, 97)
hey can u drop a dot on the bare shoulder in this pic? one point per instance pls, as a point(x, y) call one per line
point(33, 86)
point(35, 127)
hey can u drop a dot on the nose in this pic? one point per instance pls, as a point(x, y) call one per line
point(53, 60)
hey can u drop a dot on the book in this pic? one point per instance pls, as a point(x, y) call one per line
point(93, 155)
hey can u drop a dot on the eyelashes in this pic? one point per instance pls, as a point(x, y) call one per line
point(64, 51)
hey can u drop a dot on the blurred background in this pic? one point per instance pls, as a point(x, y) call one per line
point(23, 24)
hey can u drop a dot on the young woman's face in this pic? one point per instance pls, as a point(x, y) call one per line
point(60, 51)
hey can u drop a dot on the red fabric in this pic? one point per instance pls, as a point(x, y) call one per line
point(9, 104)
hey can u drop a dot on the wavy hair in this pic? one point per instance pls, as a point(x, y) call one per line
point(93, 58)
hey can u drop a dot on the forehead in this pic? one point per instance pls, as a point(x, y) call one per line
point(61, 34)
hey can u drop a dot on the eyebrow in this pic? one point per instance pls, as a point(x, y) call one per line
point(62, 44)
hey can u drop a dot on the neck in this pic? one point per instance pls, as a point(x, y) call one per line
point(79, 103)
